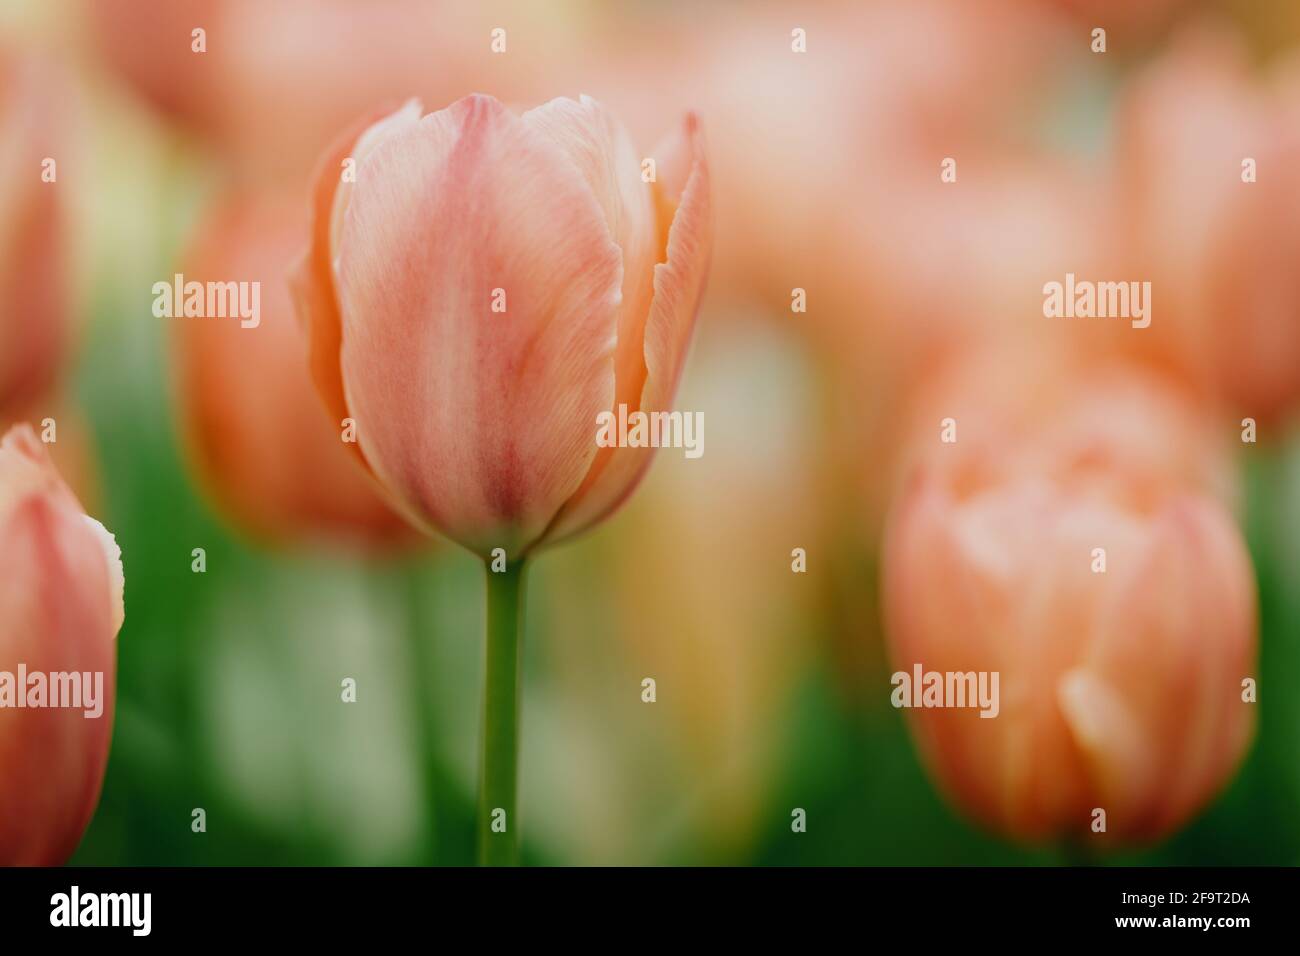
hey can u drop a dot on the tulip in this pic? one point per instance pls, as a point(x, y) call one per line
point(60, 612)
point(480, 289)
point(247, 408)
point(1195, 129)
point(34, 312)
point(1113, 598)
point(488, 285)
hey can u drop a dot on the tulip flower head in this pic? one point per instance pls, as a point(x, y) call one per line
point(1114, 602)
point(1209, 173)
point(481, 285)
point(60, 610)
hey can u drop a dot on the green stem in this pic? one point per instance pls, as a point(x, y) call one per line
point(497, 786)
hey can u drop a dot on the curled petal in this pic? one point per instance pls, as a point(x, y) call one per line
point(685, 216)
point(312, 279)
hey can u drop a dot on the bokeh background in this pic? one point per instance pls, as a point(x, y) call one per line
point(772, 687)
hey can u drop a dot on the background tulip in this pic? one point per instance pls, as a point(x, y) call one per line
point(1215, 246)
point(250, 415)
point(34, 293)
point(1121, 689)
point(60, 610)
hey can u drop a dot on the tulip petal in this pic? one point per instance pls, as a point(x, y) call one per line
point(29, 469)
point(599, 146)
point(929, 629)
point(683, 199)
point(1113, 742)
point(312, 279)
point(1174, 645)
point(468, 201)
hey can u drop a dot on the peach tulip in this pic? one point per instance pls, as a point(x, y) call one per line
point(34, 312)
point(60, 611)
point(1194, 130)
point(247, 407)
point(1115, 602)
point(487, 286)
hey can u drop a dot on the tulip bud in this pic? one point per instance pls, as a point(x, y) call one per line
point(60, 611)
point(1114, 603)
point(33, 291)
point(484, 286)
point(250, 416)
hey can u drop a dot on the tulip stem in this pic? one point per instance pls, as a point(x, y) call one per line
point(498, 824)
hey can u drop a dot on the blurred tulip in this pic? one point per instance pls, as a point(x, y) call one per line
point(60, 611)
point(1034, 407)
point(486, 287)
point(276, 81)
point(1120, 688)
point(34, 311)
point(249, 413)
point(1217, 248)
